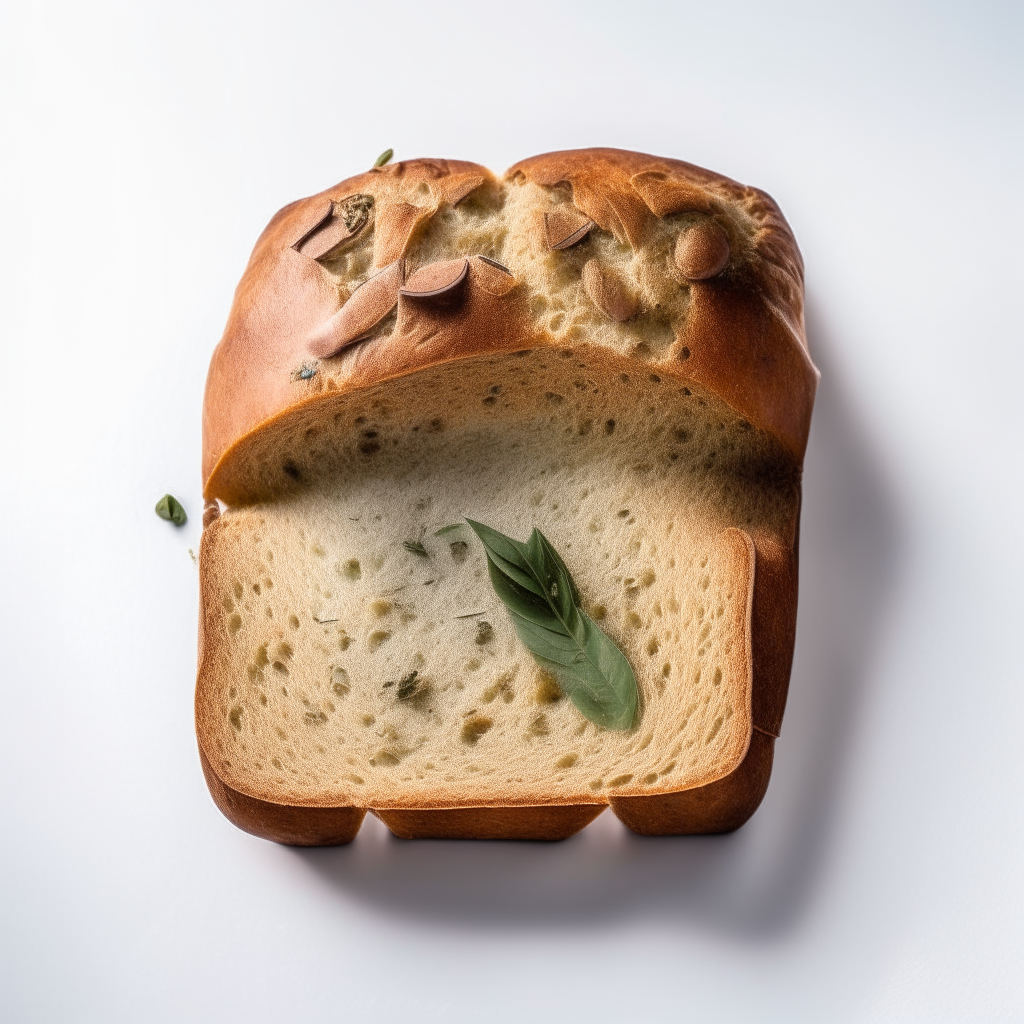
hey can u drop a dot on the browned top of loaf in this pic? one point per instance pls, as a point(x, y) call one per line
point(742, 336)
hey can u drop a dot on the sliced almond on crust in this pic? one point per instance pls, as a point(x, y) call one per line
point(394, 226)
point(436, 279)
point(607, 292)
point(665, 195)
point(702, 251)
point(366, 307)
point(324, 215)
point(491, 276)
point(342, 221)
point(566, 226)
point(453, 188)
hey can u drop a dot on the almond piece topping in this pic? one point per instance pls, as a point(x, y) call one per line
point(436, 279)
point(366, 307)
point(491, 276)
point(324, 215)
point(702, 251)
point(607, 292)
point(341, 222)
point(566, 226)
point(393, 228)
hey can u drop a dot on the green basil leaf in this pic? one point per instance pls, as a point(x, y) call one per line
point(505, 553)
point(448, 529)
point(169, 508)
point(536, 587)
point(384, 158)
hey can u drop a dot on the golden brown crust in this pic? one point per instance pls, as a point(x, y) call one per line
point(721, 806)
point(543, 822)
point(293, 826)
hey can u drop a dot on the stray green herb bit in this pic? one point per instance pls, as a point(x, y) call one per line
point(535, 586)
point(470, 615)
point(384, 158)
point(415, 547)
point(407, 687)
point(169, 508)
point(448, 529)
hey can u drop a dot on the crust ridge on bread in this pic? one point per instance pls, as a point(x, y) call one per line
point(604, 344)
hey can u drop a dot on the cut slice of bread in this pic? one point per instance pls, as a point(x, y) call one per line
point(353, 653)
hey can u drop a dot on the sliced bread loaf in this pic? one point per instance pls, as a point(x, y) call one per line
point(605, 346)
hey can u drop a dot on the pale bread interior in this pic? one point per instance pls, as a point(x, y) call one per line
point(315, 611)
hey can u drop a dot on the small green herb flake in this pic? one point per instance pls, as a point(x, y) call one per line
point(384, 158)
point(535, 586)
point(169, 508)
point(407, 686)
point(415, 547)
point(448, 529)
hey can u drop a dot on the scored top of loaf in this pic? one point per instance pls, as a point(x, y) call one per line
point(674, 266)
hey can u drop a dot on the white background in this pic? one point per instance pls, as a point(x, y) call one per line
point(144, 148)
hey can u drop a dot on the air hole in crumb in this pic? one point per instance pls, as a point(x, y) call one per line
point(539, 725)
point(235, 718)
point(377, 637)
point(293, 621)
point(352, 570)
point(459, 550)
point(339, 681)
point(567, 761)
point(548, 691)
point(609, 426)
point(619, 780)
point(235, 623)
point(475, 727)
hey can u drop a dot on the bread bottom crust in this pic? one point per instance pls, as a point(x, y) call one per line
point(721, 806)
point(545, 823)
point(283, 823)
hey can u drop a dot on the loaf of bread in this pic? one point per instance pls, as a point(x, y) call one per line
point(603, 345)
